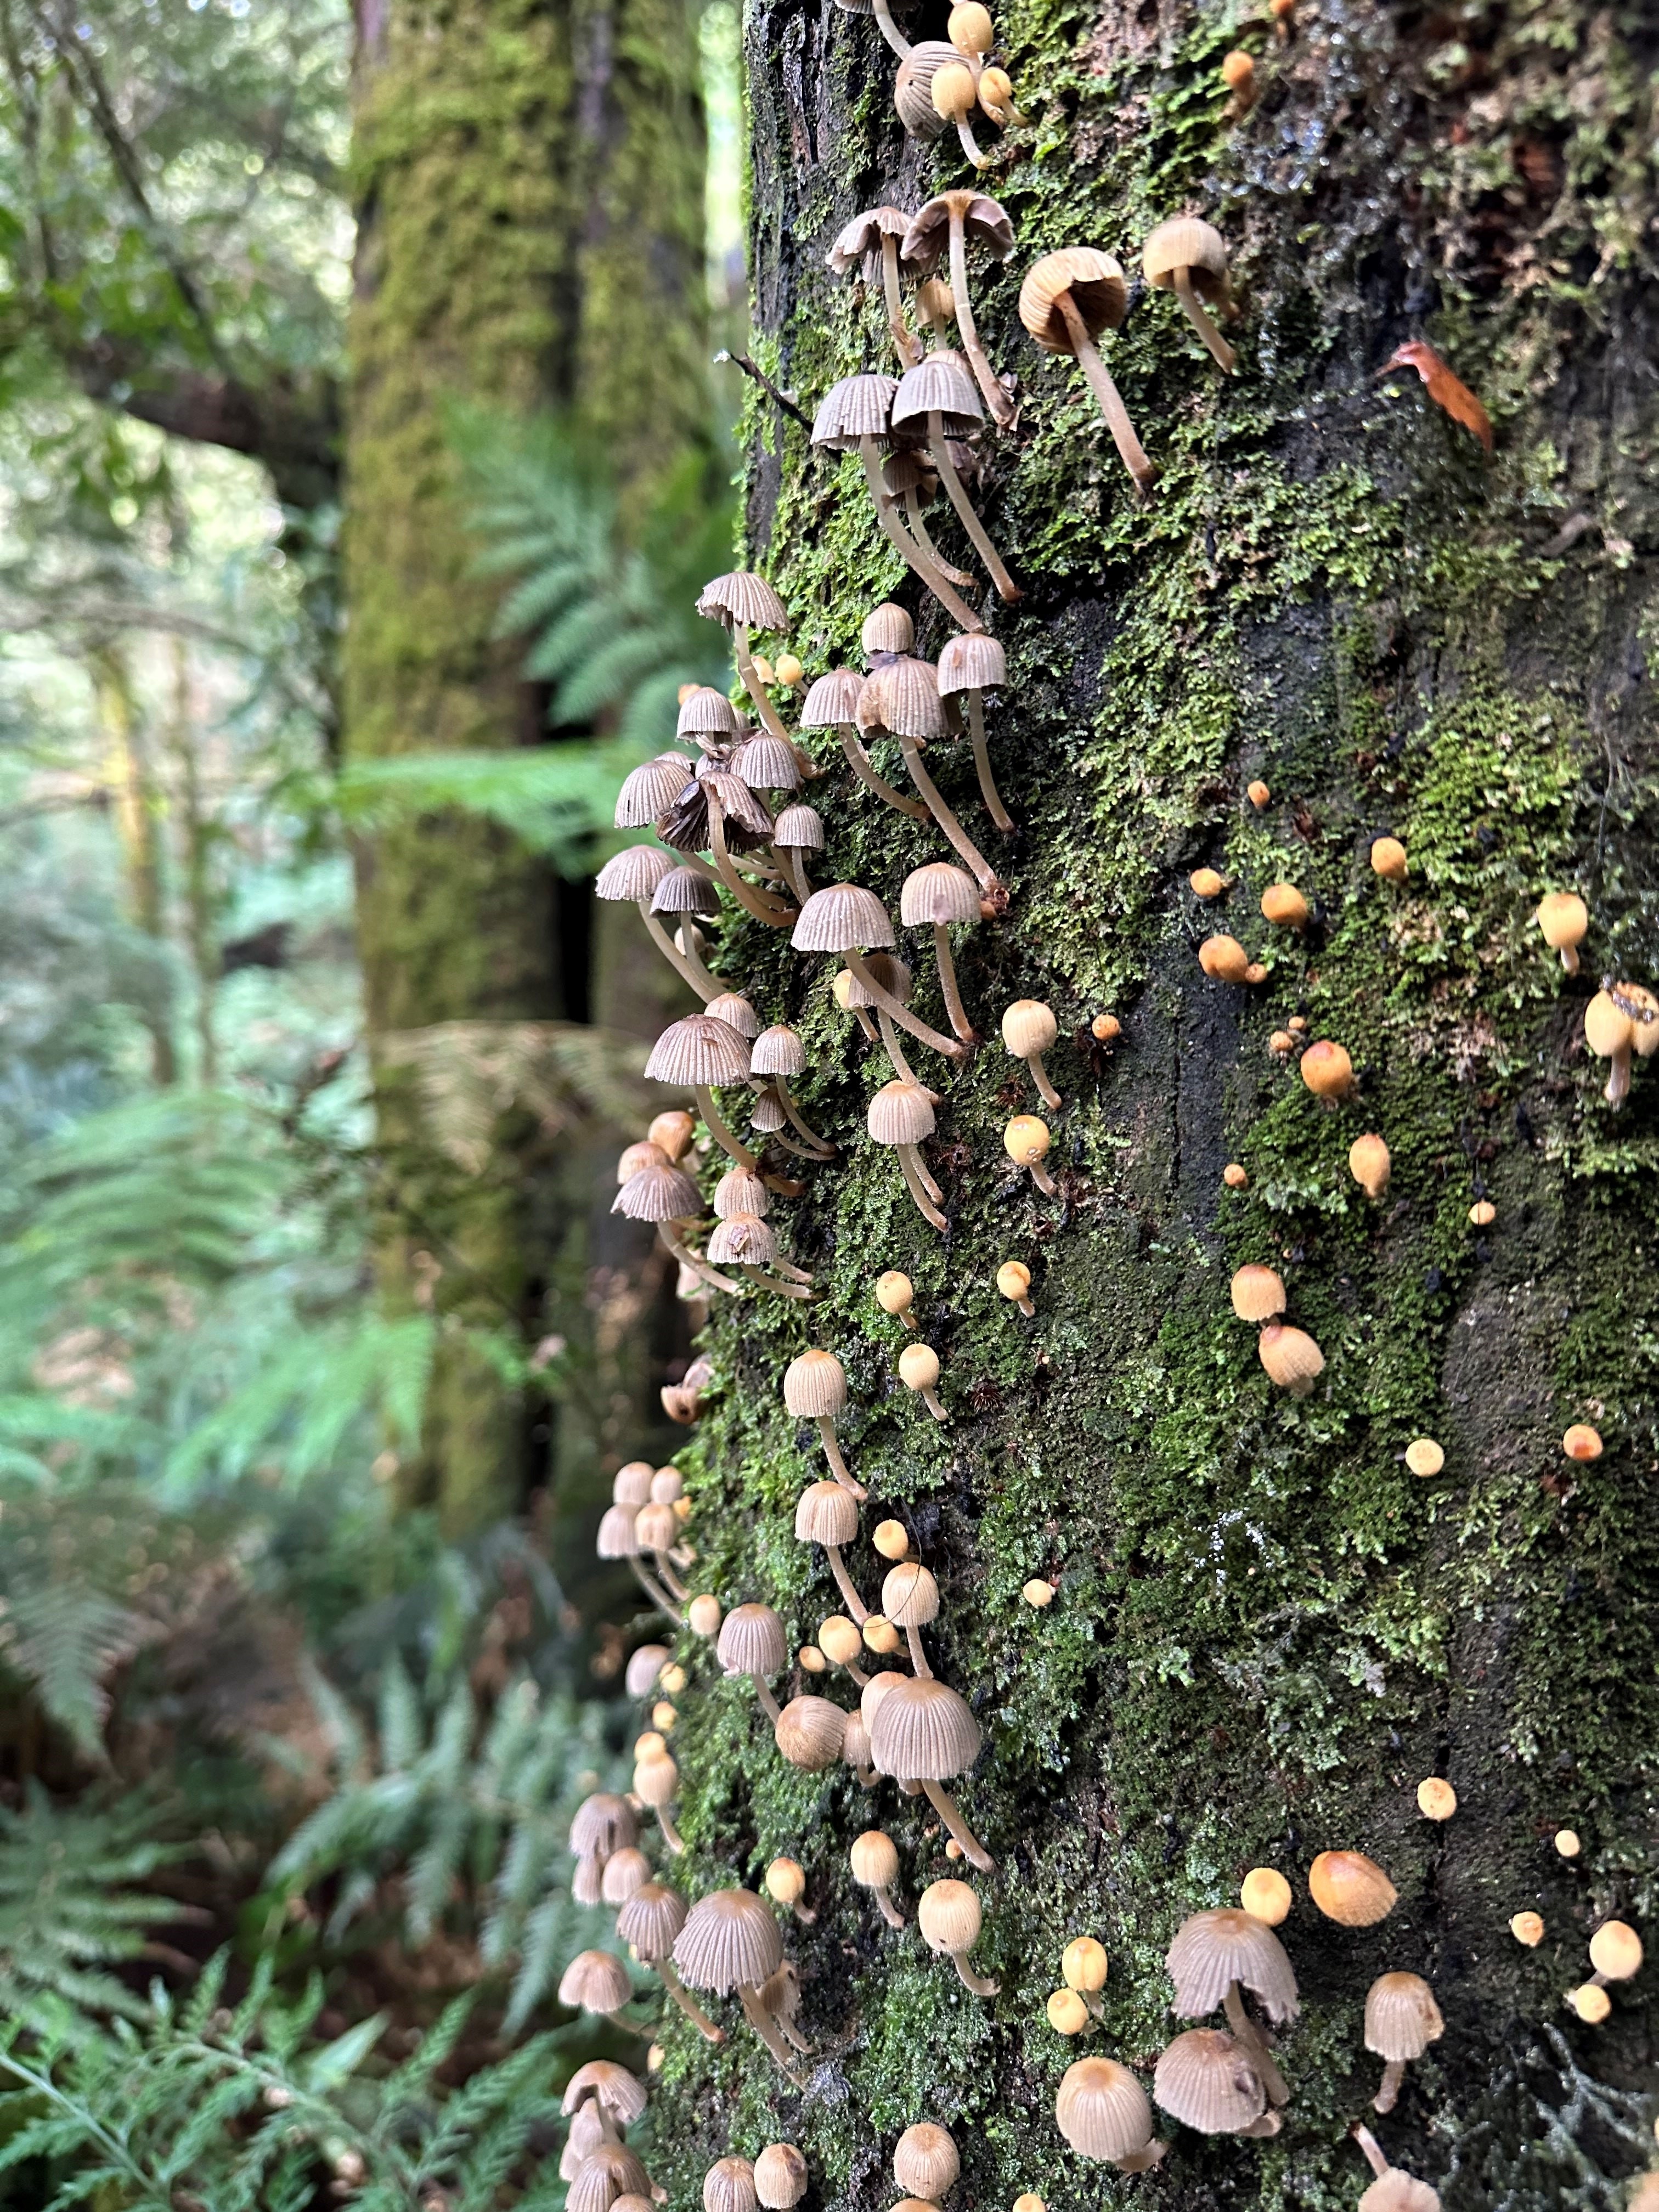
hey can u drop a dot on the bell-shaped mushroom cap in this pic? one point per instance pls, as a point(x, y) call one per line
point(778, 1051)
point(780, 2177)
point(608, 2173)
point(860, 240)
point(1350, 1889)
point(684, 890)
point(642, 1153)
point(1101, 2110)
point(626, 1873)
point(1283, 904)
point(1607, 1028)
point(1206, 2079)
point(743, 1240)
point(923, 1731)
point(1212, 1949)
point(855, 1743)
point(766, 764)
point(1564, 918)
point(766, 1114)
point(887, 629)
point(912, 87)
point(1291, 1357)
point(941, 383)
point(798, 830)
point(631, 2202)
point(949, 1916)
point(658, 1195)
point(732, 1008)
point(668, 1484)
point(643, 1668)
point(1258, 1293)
point(814, 1385)
point(909, 1599)
point(729, 2186)
point(751, 1641)
point(1223, 958)
point(809, 1731)
point(925, 2160)
point(841, 918)
point(875, 1862)
point(617, 1538)
point(903, 698)
point(1401, 2017)
point(900, 1114)
point(1187, 244)
point(707, 713)
point(1096, 282)
point(854, 409)
point(739, 1190)
point(1327, 1069)
point(972, 662)
point(651, 790)
point(701, 1049)
point(651, 1919)
point(1028, 1026)
point(1397, 2190)
point(986, 223)
point(602, 1823)
point(634, 874)
point(743, 597)
point(888, 969)
point(596, 1981)
point(937, 892)
point(729, 1936)
point(825, 1513)
point(618, 2093)
point(833, 698)
point(631, 1485)
point(1615, 1950)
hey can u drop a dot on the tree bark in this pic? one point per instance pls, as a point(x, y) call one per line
point(1265, 1631)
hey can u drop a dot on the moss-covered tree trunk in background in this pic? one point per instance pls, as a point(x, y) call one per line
point(529, 175)
point(1265, 1631)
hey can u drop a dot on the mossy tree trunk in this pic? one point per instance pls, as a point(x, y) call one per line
point(529, 177)
point(1265, 1631)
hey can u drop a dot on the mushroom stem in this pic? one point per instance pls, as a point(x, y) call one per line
point(791, 1272)
point(806, 1914)
point(930, 1398)
point(896, 1053)
point(1569, 958)
point(947, 983)
point(898, 1011)
point(1025, 1307)
point(719, 1131)
point(1373, 2149)
point(688, 2004)
point(1131, 451)
point(890, 1912)
point(910, 1164)
point(766, 1282)
point(795, 869)
point(862, 767)
point(768, 1703)
point(895, 38)
point(910, 553)
point(987, 786)
point(1142, 2160)
point(753, 900)
point(866, 1024)
point(854, 1673)
point(838, 1465)
point(1255, 2043)
point(771, 719)
point(866, 1777)
point(671, 1582)
point(945, 1805)
point(984, 874)
point(766, 2027)
point(981, 1985)
point(823, 1144)
point(856, 1604)
point(1044, 1182)
point(918, 1657)
point(1388, 2095)
point(1223, 353)
point(907, 348)
point(654, 1590)
point(1617, 1088)
point(800, 1152)
point(919, 531)
point(671, 1834)
point(996, 398)
point(689, 971)
point(939, 446)
point(969, 144)
point(698, 1264)
point(1046, 1089)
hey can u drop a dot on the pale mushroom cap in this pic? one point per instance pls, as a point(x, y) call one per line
point(838, 1639)
point(729, 1936)
point(742, 1240)
point(1101, 2110)
point(1615, 1950)
point(739, 1190)
point(777, 1051)
point(860, 240)
point(617, 1538)
point(1265, 1895)
point(651, 1920)
point(595, 1981)
point(1212, 1949)
point(887, 969)
point(643, 1668)
point(918, 1366)
point(1401, 2017)
point(875, 1862)
point(972, 661)
point(1291, 1357)
point(798, 830)
point(912, 93)
point(900, 1114)
point(731, 1007)
point(808, 1733)
point(826, 1514)
point(1097, 285)
point(903, 697)
point(617, 2092)
point(1607, 1028)
point(888, 628)
point(1397, 2190)
point(635, 1157)
point(854, 409)
point(1369, 1164)
point(751, 1641)
point(1084, 1963)
point(835, 697)
point(938, 893)
point(768, 1113)
point(684, 891)
point(1186, 243)
point(626, 1873)
point(602, 1823)
point(1206, 2079)
point(984, 220)
point(651, 790)
point(814, 1385)
point(1426, 1455)
point(1436, 1798)
point(841, 918)
point(941, 382)
point(876, 1691)
point(925, 2161)
point(1014, 1278)
point(1258, 1293)
point(780, 2177)
point(1350, 1889)
point(701, 1049)
point(706, 713)
point(634, 874)
point(658, 1526)
point(745, 597)
point(766, 764)
point(895, 1291)
point(909, 1598)
point(609, 2174)
point(923, 1731)
point(654, 1194)
point(1527, 1928)
point(949, 1916)
point(631, 1484)
point(1327, 1069)
point(729, 2186)
point(1026, 1138)
point(656, 1780)
point(1564, 918)
point(1028, 1026)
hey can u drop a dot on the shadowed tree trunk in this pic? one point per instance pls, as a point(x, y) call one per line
point(529, 176)
point(1265, 1629)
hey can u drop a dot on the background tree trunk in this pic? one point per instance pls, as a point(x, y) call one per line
point(1265, 1631)
point(529, 176)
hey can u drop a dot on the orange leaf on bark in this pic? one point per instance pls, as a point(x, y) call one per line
point(1447, 391)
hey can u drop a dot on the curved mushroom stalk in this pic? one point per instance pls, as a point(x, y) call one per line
point(821, 1146)
point(669, 1579)
point(658, 1595)
point(908, 551)
point(764, 1281)
point(984, 874)
point(910, 1165)
point(757, 903)
point(671, 1834)
point(1131, 451)
point(1387, 2096)
point(972, 1849)
point(687, 1258)
point(768, 1703)
point(716, 1126)
point(906, 344)
point(765, 2026)
point(781, 1994)
point(688, 2004)
point(1141, 2161)
point(1246, 2032)
point(987, 786)
point(939, 446)
point(862, 767)
point(884, 1905)
point(913, 1634)
point(947, 983)
point(794, 869)
point(838, 1465)
point(1198, 316)
point(690, 971)
point(868, 1025)
point(1001, 407)
point(856, 1604)
point(903, 1069)
point(919, 531)
point(895, 1008)
point(889, 29)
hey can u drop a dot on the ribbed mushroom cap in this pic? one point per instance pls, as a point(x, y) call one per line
point(658, 1526)
point(887, 629)
point(617, 2093)
point(860, 240)
point(826, 1514)
point(634, 874)
point(855, 1743)
point(658, 1195)
point(1206, 2079)
point(923, 1732)
point(642, 1153)
point(1096, 282)
point(732, 1008)
point(832, 699)
point(729, 2186)
point(630, 2201)
point(777, 1051)
point(937, 892)
point(626, 1873)
point(602, 1823)
point(657, 1780)
point(743, 807)
point(617, 1538)
point(766, 764)
point(684, 891)
point(596, 1981)
point(780, 2177)
point(667, 1485)
point(949, 1916)
point(1258, 1293)
point(1291, 1357)
point(889, 970)
point(856, 408)
point(643, 1668)
point(841, 918)
point(972, 662)
point(707, 713)
point(986, 223)
point(766, 1114)
point(631, 1485)
point(1101, 2110)
point(651, 1920)
point(751, 1641)
point(1351, 1889)
point(740, 1191)
point(729, 1936)
point(743, 597)
point(901, 697)
point(912, 87)
point(814, 1385)
point(900, 1114)
point(875, 1863)
point(1397, 2190)
point(909, 1598)
point(608, 2173)
point(879, 1687)
point(798, 830)
point(1212, 1949)
point(1028, 1026)
point(941, 382)
point(702, 1049)
point(925, 2159)
point(1401, 2017)
point(743, 1240)
point(651, 790)
point(808, 1733)
point(1187, 244)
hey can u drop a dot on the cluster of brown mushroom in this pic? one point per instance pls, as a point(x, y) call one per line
point(1622, 1019)
point(939, 82)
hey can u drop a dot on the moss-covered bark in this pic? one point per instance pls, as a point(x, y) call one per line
point(1266, 1631)
point(529, 180)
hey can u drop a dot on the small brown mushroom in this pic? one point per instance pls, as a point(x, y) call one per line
point(780, 2177)
point(595, 1981)
point(815, 1390)
point(808, 1733)
point(1285, 905)
point(1610, 1033)
point(610, 2175)
point(1424, 1456)
point(1327, 1071)
point(1371, 1164)
point(892, 1539)
point(1190, 258)
point(953, 220)
point(701, 1051)
point(1210, 2081)
point(657, 1783)
point(933, 896)
point(901, 1114)
point(1291, 1357)
point(901, 697)
point(1238, 74)
point(922, 1731)
point(825, 1514)
point(1388, 859)
point(1067, 300)
point(1615, 1952)
point(872, 237)
point(1257, 1294)
point(1527, 1928)
point(954, 91)
point(729, 2186)
point(1215, 1957)
point(1025, 1141)
point(949, 1916)
point(1436, 1798)
point(1014, 1282)
point(730, 1941)
point(1402, 2021)
point(650, 1921)
point(875, 1863)
point(926, 2162)
point(919, 1370)
point(1265, 1895)
point(636, 874)
point(1102, 2111)
point(841, 1644)
point(752, 1644)
point(832, 704)
point(1351, 1889)
point(937, 400)
point(1564, 918)
point(909, 1599)
point(845, 918)
point(618, 1539)
point(1258, 794)
point(1029, 1029)
point(970, 665)
point(895, 1293)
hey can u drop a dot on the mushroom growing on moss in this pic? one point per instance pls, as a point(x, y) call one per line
point(875, 237)
point(949, 1916)
point(853, 418)
point(1351, 1889)
point(1610, 1034)
point(1067, 300)
point(895, 1293)
point(909, 1599)
point(901, 1114)
point(656, 1784)
point(666, 1197)
point(875, 1863)
point(1284, 906)
point(729, 2186)
point(936, 401)
point(844, 919)
point(650, 1921)
point(901, 697)
point(635, 874)
point(1214, 1958)
point(1370, 1164)
point(832, 704)
point(1291, 1357)
point(1102, 2111)
point(699, 1053)
point(1210, 2081)
point(933, 897)
point(825, 1514)
point(969, 667)
point(1257, 1293)
point(1388, 859)
point(1265, 1895)
point(780, 2177)
point(922, 1731)
point(1564, 918)
point(949, 224)
point(815, 1390)
point(751, 1642)
point(731, 1942)
point(1327, 1071)
point(1189, 258)
point(1223, 958)
point(786, 1883)
point(1014, 1283)
point(1083, 1967)
point(808, 1733)
point(595, 1982)
point(1402, 2021)
point(1029, 1029)
point(925, 2162)
point(919, 1370)
point(1025, 1141)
